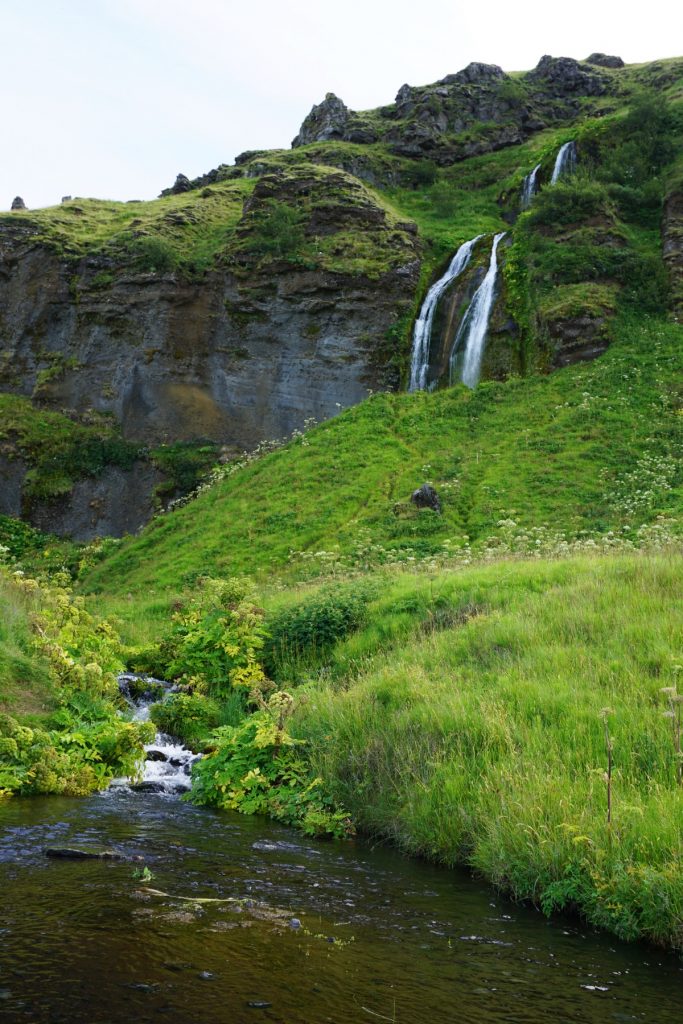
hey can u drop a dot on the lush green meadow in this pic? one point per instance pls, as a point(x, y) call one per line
point(479, 733)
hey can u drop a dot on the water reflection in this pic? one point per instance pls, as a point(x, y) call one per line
point(293, 931)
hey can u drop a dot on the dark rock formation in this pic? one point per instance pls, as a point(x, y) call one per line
point(241, 354)
point(181, 184)
point(18, 204)
point(426, 497)
point(475, 73)
point(476, 110)
point(83, 853)
point(563, 76)
point(604, 60)
point(184, 184)
point(109, 505)
point(579, 338)
point(327, 120)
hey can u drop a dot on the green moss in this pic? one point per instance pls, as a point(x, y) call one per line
point(57, 449)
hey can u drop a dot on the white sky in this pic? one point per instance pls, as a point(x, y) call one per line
point(111, 98)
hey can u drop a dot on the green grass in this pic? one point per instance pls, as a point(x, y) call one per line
point(482, 743)
point(58, 449)
point(589, 449)
point(195, 226)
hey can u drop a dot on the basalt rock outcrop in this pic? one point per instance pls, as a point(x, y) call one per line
point(605, 60)
point(247, 351)
point(565, 76)
point(476, 110)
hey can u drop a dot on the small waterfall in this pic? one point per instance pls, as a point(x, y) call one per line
point(529, 188)
point(168, 763)
point(422, 331)
point(471, 336)
point(565, 162)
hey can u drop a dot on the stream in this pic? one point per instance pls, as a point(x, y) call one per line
point(216, 918)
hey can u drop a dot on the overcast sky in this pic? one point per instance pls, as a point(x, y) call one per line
point(111, 98)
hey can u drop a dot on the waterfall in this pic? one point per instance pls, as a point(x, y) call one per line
point(565, 161)
point(471, 335)
point(422, 332)
point(529, 188)
point(168, 763)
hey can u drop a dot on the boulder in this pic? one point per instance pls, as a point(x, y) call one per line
point(79, 853)
point(426, 497)
point(475, 73)
point(181, 184)
point(565, 75)
point(155, 755)
point(605, 60)
point(18, 204)
point(328, 120)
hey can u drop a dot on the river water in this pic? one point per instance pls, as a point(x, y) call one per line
point(379, 936)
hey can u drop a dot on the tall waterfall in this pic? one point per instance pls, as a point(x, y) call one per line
point(471, 336)
point(564, 162)
point(422, 332)
point(529, 187)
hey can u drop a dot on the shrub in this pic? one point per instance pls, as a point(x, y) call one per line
point(259, 768)
point(153, 255)
point(569, 201)
point(278, 230)
point(217, 640)
point(313, 626)
point(421, 173)
point(190, 717)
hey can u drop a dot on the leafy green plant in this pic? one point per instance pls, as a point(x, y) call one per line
point(310, 628)
point(190, 717)
point(258, 767)
point(216, 641)
point(153, 254)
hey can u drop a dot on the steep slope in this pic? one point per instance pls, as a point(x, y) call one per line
point(590, 449)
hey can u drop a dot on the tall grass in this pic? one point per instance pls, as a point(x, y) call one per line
point(483, 744)
point(25, 687)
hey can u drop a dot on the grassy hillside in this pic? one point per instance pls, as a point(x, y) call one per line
point(476, 731)
point(590, 449)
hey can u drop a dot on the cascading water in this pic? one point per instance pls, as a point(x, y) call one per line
point(168, 763)
point(565, 162)
point(471, 336)
point(529, 188)
point(422, 331)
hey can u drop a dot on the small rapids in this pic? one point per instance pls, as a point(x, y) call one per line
point(168, 763)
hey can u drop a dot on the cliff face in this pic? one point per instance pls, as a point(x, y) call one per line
point(248, 350)
point(290, 318)
point(235, 360)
